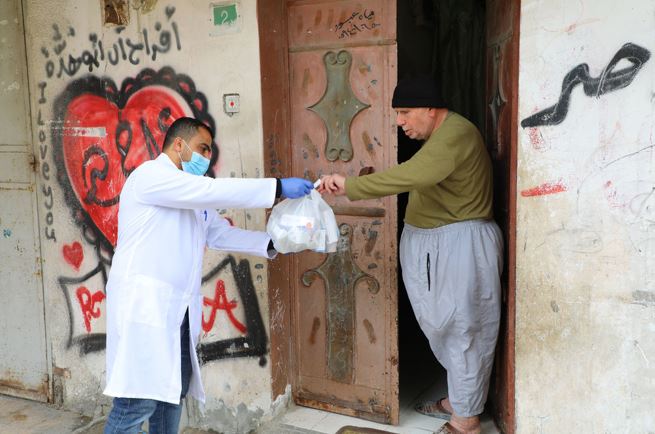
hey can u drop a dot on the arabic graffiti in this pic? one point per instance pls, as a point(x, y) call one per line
point(357, 22)
point(608, 81)
point(57, 64)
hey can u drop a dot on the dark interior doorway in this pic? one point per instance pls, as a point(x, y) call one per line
point(445, 39)
point(416, 40)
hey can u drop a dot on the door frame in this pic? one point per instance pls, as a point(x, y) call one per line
point(503, 394)
point(274, 67)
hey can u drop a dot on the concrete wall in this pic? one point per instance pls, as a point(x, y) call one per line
point(14, 123)
point(88, 84)
point(585, 326)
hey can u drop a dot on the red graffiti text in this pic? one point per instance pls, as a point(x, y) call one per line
point(221, 302)
point(88, 304)
point(544, 189)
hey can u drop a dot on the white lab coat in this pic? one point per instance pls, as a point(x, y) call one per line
point(166, 219)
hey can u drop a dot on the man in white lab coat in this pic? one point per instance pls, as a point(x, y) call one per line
point(167, 217)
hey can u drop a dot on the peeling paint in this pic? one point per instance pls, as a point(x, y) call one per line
point(224, 419)
point(144, 6)
point(316, 324)
point(13, 86)
point(370, 331)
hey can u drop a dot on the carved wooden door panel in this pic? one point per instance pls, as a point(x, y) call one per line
point(501, 131)
point(342, 71)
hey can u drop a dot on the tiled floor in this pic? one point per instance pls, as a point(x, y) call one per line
point(411, 422)
point(421, 378)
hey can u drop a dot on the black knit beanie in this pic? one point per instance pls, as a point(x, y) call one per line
point(418, 91)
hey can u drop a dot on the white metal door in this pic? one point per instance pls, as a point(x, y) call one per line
point(23, 358)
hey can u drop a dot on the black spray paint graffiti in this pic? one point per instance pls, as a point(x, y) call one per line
point(123, 49)
point(75, 287)
point(254, 344)
point(46, 189)
point(608, 81)
point(56, 56)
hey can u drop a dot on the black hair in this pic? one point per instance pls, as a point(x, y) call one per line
point(185, 128)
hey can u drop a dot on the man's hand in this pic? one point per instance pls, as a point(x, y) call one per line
point(294, 188)
point(333, 184)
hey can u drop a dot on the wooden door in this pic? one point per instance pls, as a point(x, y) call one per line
point(340, 58)
point(501, 131)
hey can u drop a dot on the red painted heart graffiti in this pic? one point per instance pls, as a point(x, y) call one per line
point(101, 135)
point(73, 254)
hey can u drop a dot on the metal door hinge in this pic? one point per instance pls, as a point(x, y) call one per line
point(33, 162)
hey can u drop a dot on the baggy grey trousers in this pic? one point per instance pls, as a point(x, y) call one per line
point(452, 277)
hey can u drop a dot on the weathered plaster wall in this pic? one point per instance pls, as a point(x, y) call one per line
point(168, 59)
point(585, 326)
point(14, 121)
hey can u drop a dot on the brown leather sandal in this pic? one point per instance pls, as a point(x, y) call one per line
point(447, 428)
point(433, 409)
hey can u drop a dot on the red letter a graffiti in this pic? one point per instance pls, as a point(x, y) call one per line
point(221, 302)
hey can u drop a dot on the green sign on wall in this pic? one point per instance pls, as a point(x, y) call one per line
point(225, 14)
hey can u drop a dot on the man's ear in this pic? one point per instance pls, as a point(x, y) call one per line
point(177, 144)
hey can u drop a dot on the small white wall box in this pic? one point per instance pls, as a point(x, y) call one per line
point(231, 103)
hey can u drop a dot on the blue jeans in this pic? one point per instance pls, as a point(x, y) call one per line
point(128, 414)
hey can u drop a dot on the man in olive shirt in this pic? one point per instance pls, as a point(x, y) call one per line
point(450, 249)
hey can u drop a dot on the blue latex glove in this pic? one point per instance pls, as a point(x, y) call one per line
point(294, 188)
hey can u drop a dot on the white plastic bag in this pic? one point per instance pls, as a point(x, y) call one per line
point(307, 223)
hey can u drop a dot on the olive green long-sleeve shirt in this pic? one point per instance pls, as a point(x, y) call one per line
point(449, 179)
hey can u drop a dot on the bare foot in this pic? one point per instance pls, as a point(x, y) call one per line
point(467, 425)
